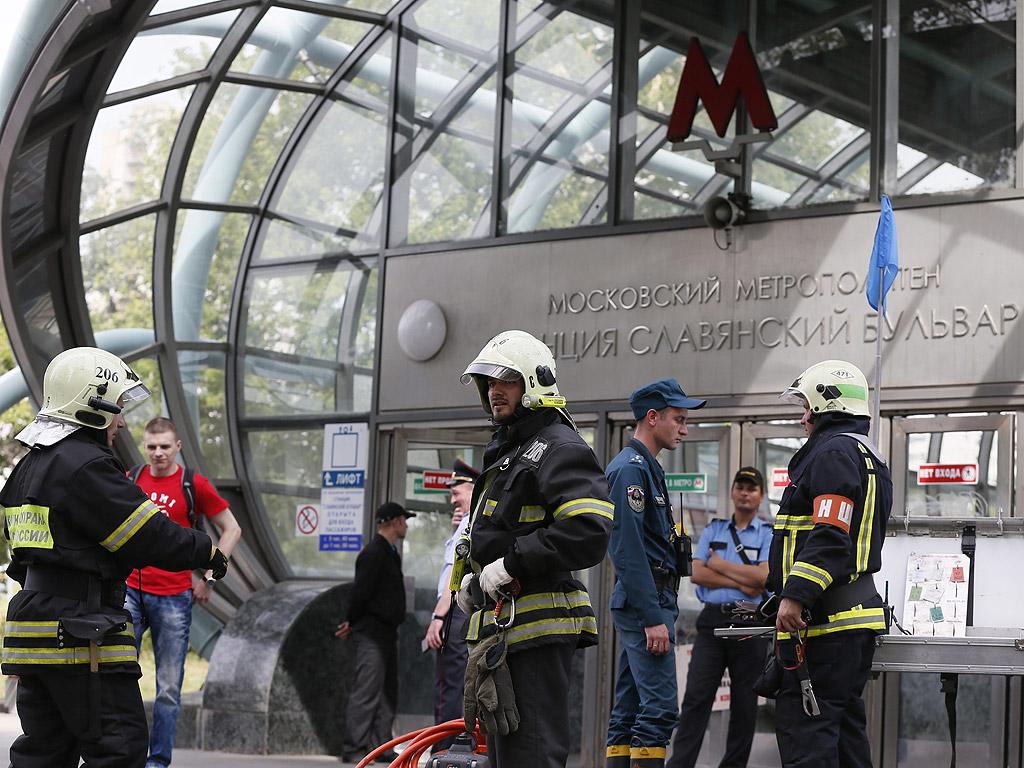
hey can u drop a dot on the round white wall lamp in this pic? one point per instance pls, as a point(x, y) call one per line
point(422, 330)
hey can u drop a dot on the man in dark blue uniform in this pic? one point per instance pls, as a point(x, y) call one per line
point(540, 512)
point(644, 551)
point(730, 565)
point(827, 542)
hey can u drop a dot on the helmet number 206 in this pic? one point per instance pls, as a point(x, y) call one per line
point(106, 373)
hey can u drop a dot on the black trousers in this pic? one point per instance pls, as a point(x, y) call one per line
point(450, 675)
point(711, 657)
point(540, 679)
point(839, 665)
point(55, 714)
point(373, 697)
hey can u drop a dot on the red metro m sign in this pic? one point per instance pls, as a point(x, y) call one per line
point(742, 78)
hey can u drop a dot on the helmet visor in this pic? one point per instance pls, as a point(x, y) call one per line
point(135, 393)
point(491, 371)
point(794, 396)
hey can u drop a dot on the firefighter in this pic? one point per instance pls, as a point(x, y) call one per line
point(540, 510)
point(77, 526)
point(826, 544)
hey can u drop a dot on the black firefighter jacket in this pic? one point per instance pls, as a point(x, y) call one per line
point(542, 505)
point(74, 520)
point(822, 543)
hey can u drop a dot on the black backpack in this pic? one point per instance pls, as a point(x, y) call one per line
point(188, 489)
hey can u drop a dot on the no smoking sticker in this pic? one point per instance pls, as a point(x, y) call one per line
point(307, 520)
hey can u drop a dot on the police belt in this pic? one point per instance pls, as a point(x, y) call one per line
point(838, 599)
point(75, 585)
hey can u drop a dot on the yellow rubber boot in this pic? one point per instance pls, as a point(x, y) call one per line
point(617, 756)
point(647, 757)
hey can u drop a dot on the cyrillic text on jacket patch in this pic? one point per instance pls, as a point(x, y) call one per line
point(833, 510)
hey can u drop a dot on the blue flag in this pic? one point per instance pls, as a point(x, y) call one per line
point(884, 257)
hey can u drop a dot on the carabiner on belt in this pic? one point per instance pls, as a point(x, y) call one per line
point(507, 593)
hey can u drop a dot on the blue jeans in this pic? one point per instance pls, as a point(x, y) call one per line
point(169, 618)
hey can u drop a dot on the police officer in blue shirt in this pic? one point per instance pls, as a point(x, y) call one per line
point(730, 565)
point(645, 549)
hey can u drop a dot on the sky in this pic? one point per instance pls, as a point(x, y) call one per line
point(12, 15)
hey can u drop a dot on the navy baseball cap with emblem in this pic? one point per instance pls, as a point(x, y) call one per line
point(462, 473)
point(749, 475)
point(661, 394)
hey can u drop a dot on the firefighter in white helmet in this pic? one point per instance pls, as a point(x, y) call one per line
point(540, 511)
point(77, 526)
point(826, 544)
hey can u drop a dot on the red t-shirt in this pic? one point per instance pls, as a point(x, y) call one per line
point(166, 493)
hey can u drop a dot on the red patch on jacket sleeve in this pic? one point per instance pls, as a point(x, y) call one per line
point(833, 510)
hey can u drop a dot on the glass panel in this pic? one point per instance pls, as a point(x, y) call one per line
point(958, 93)
point(291, 365)
point(374, 6)
point(138, 413)
point(299, 46)
point(285, 466)
point(443, 188)
point(127, 153)
point(203, 381)
point(117, 273)
point(473, 22)
point(339, 176)
point(169, 51)
point(238, 143)
point(294, 242)
point(924, 725)
point(34, 302)
point(560, 115)
point(820, 62)
point(928, 495)
point(205, 313)
point(771, 456)
point(30, 215)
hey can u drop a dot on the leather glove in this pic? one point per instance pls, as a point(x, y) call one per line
point(218, 563)
point(493, 576)
point(488, 695)
point(464, 597)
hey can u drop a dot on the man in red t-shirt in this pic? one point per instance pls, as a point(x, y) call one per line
point(162, 600)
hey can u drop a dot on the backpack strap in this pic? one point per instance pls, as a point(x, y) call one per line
point(188, 490)
point(134, 472)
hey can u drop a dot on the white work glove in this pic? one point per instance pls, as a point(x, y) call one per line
point(493, 576)
point(463, 596)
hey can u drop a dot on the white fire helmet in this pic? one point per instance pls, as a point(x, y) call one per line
point(513, 355)
point(82, 386)
point(832, 386)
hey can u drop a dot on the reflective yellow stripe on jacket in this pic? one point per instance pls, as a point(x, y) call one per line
point(130, 527)
point(36, 642)
point(539, 614)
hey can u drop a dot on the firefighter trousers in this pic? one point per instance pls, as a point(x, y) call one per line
point(54, 712)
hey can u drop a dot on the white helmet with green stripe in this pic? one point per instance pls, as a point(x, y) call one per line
point(832, 386)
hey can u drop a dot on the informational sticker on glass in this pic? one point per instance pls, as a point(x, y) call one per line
point(343, 487)
point(694, 482)
point(953, 474)
point(307, 520)
point(936, 603)
point(780, 477)
point(432, 481)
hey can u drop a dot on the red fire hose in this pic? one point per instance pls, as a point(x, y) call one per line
point(419, 742)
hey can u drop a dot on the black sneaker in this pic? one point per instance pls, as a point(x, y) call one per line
point(387, 757)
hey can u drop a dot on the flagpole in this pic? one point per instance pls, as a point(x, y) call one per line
point(876, 410)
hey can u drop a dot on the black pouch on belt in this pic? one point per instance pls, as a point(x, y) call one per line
point(769, 681)
point(684, 555)
point(94, 627)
